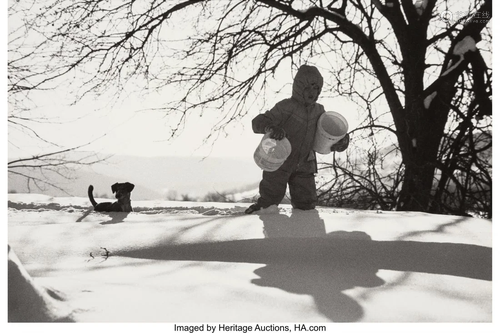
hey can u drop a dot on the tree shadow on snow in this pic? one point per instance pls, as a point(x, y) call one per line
point(87, 213)
point(301, 258)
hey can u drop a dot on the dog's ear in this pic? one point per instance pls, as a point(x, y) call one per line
point(129, 186)
point(114, 187)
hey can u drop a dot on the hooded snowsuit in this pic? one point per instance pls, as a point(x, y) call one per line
point(299, 118)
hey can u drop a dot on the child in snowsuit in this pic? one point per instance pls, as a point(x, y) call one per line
point(296, 118)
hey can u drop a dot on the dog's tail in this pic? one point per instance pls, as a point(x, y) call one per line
point(91, 196)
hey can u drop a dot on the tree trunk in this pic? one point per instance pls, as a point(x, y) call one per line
point(416, 191)
point(419, 147)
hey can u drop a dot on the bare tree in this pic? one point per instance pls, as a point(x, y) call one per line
point(401, 57)
point(462, 180)
point(23, 66)
point(368, 178)
point(465, 156)
point(39, 170)
point(55, 160)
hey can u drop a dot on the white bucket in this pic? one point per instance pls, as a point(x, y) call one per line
point(332, 127)
point(271, 153)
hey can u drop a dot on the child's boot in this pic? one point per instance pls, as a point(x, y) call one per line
point(253, 208)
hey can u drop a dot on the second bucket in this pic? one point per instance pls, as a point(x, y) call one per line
point(332, 127)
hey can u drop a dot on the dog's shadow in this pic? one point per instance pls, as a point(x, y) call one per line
point(116, 217)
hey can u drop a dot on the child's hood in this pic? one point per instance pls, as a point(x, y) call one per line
point(306, 76)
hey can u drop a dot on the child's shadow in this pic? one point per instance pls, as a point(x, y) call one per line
point(324, 278)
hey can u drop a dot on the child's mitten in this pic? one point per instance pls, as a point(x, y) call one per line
point(277, 132)
point(341, 145)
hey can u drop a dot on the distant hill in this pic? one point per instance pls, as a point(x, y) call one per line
point(76, 186)
point(154, 177)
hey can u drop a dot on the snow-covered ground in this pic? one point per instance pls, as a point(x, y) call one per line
point(178, 262)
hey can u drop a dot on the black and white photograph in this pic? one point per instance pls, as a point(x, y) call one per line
point(249, 165)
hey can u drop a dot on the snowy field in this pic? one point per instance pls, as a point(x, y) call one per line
point(179, 262)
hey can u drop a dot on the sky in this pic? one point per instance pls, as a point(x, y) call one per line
point(121, 128)
point(125, 128)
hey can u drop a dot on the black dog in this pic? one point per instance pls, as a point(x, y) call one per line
point(122, 194)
